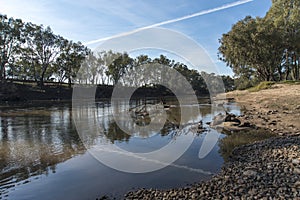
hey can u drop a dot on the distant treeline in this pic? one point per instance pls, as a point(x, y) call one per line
point(265, 49)
point(31, 52)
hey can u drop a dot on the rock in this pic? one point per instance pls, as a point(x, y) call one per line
point(296, 161)
point(249, 173)
point(218, 119)
point(229, 124)
point(297, 184)
point(296, 170)
point(228, 117)
point(246, 124)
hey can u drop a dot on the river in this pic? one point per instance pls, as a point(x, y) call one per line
point(43, 157)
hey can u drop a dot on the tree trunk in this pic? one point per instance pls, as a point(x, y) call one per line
point(41, 82)
point(2, 72)
point(280, 73)
point(287, 73)
point(298, 69)
point(69, 82)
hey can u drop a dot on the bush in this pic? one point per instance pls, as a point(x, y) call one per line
point(243, 83)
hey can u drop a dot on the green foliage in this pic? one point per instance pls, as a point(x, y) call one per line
point(32, 52)
point(243, 83)
point(228, 83)
point(119, 66)
point(265, 48)
point(69, 61)
point(11, 38)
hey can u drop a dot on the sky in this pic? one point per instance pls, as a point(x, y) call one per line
point(90, 20)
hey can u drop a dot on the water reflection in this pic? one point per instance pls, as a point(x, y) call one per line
point(33, 142)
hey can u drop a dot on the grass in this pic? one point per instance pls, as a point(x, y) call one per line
point(240, 138)
point(290, 82)
point(261, 86)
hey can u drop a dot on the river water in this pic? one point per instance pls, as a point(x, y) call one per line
point(43, 157)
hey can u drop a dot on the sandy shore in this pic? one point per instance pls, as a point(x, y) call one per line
point(268, 169)
point(277, 108)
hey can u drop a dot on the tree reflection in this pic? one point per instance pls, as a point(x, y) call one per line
point(33, 142)
point(114, 133)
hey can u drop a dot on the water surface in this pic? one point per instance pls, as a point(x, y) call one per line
point(42, 156)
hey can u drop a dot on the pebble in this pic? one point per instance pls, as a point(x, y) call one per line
point(296, 161)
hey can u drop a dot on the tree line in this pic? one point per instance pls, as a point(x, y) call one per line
point(34, 52)
point(267, 48)
point(107, 67)
point(31, 52)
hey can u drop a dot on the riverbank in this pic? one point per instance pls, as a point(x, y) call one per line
point(276, 108)
point(12, 92)
point(260, 170)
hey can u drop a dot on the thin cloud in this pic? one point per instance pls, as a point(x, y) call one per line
point(204, 12)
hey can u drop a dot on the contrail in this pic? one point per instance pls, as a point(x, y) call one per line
point(144, 159)
point(204, 12)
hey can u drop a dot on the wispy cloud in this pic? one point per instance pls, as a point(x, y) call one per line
point(204, 12)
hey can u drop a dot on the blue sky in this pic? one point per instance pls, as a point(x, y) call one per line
point(88, 20)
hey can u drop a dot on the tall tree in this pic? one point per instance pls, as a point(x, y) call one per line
point(11, 37)
point(119, 66)
point(44, 47)
point(69, 61)
point(267, 48)
point(285, 15)
point(104, 60)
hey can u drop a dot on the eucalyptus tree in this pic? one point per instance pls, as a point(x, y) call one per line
point(44, 48)
point(142, 66)
point(285, 15)
point(236, 44)
point(11, 37)
point(266, 48)
point(69, 60)
point(104, 60)
point(252, 45)
point(86, 74)
point(119, 66)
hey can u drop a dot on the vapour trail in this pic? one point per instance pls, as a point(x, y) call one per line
point(204, 12)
